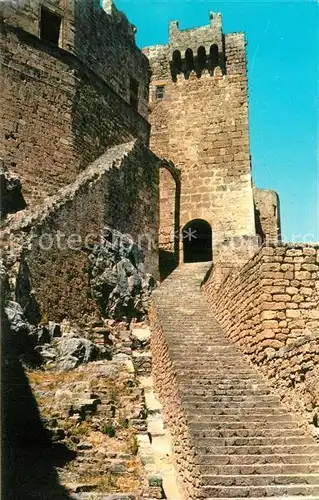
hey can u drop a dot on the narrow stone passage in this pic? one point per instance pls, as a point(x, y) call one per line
point(245, 443)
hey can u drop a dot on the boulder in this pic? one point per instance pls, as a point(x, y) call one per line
point(15, 315)
point(74, 351)
point(119, 283)
point(43, 335)
point(54, 330)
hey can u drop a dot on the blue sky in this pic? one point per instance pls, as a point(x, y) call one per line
point(283, 62)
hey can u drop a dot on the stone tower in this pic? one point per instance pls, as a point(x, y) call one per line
point(199, 118)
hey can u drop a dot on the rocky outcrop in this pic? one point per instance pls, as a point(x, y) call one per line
point(119, 283)
point(44, 346)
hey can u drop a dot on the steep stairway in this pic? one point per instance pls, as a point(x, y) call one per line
point(246, 443)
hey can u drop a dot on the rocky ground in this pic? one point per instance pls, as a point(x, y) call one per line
point(85, 391)
point(95, 411)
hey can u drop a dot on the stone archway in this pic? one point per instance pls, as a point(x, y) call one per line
point(170, 191)
point(197, 241)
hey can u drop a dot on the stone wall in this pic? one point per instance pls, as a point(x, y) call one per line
point(119, 190)
point(267, 211)
point(56, 116)
point(270, 309)
point(201, 125)
point(99, 35)
point(166, 385)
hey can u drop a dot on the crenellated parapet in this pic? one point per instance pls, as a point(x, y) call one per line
point(204, 36)
point(198, 51)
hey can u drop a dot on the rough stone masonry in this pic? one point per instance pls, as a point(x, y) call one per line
point(81, 106)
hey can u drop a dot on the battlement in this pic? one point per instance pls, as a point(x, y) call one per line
point(196, 48)
point(204, 49)
point(194, 38)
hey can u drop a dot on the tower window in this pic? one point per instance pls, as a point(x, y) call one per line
point(160, 91)
point(214, 57)
point(50, 25)
point(134, 93)
point(189, 58)
point(177, 60)
point(201, 57)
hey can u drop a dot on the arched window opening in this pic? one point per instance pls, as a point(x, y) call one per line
point(197, 241)
point(189, 58)
point(201, 57)
point(213, 55)
point(177, 60)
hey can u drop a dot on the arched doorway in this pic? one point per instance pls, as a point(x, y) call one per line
point(197, 241)
point(169, 214)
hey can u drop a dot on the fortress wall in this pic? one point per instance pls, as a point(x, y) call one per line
point(105, 40)
point(270, 309)
point(56, 116)
point(168, 388)
point(99, 35)
point(119, 190)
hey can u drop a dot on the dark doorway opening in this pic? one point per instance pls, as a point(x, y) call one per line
point(50, 26)
point(197, 241)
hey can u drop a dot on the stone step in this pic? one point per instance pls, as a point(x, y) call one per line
point(225, 364)
point(264, 469)
point(216, 374)
point(231, 399)
point(199, 391)
point(210, 355)
point(260, 479)
point(294, 497)
point(243, 433)
point(249, 405)
point(211, 383)
point(224, 424)
point(223, 377)
point(236, 410)
point(274, 458)
point(280, 491)
point(205, 351)
point(257, 450)
point(255, 441)
point(231, 417)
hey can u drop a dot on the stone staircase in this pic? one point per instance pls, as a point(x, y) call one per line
point(246, 443)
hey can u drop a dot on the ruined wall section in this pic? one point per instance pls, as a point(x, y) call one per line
point(100, 36)
point(56, 115)
point(267, 210)
point(270, 309)
point(119, 190)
